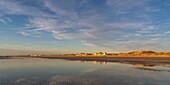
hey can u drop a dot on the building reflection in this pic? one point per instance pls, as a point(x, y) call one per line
point(95, 62)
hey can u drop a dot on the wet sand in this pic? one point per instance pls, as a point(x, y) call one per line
point(5, 57)
point(145, 61)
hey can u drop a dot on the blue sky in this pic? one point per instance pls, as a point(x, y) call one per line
point(73, 26)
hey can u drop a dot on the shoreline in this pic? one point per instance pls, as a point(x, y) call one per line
point(138, 61)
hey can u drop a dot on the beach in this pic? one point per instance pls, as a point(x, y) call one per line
point(139, 61)
point(143, 61)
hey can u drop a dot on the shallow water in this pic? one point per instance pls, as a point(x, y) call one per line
point(37, 71)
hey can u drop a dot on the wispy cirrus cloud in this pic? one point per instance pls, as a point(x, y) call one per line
point(14, 7)
point(125, 7)
point(92, 25)
point(5, 20)
point(168, 32)
point(24, 33)
point(70, 25)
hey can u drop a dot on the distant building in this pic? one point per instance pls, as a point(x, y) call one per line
point(100, 54)
point(89, 54)
point(92, 54)
point(104, 53)
point(82, 54)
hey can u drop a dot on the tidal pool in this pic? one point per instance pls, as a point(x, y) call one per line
point(37, 71)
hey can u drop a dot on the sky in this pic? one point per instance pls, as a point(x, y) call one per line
point(74, 26)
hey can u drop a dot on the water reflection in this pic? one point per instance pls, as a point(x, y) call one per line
point(95, 62)
point(144, 65)
point(71, 80)
point(61, 72)
point(152, 69)
point(140, 66)
point(131, 63)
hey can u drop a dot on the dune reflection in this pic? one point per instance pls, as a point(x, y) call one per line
point(153, 69)
point(144, 65)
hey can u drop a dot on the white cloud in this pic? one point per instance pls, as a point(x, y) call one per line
point(30, 33)
point(88, 44)
point(90, 27)
point(149, 9)
point(60, 30)
point(141, 42)
point(156, 35)
point(124, 7)
point(24, 33)
point(3, 21)
point(168, 32)
point(126, 25)
point(8, 19)
point(16, 8)
point(57, 10)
